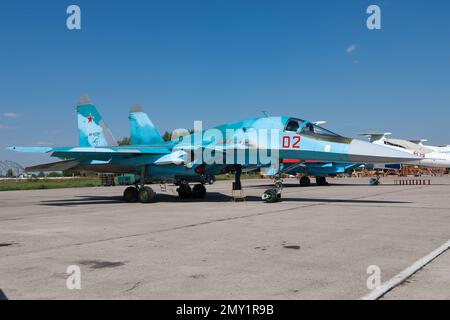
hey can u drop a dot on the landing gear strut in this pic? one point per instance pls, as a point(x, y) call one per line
point(237, 178)
point(237, 194)
point(273, 195)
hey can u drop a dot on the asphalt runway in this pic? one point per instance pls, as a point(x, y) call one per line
point(316, 244)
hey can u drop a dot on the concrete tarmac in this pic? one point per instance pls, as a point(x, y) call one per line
point(315, 244)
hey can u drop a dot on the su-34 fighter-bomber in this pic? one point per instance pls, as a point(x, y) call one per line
point(233, 147)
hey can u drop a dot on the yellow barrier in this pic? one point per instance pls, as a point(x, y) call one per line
point(413, 182)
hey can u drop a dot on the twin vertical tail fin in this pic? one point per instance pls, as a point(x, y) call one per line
point(374, 136)
point(142, 130)
point(92, 130)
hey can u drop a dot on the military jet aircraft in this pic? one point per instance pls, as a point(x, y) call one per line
point(430, 156)
point(232, 147)
point(319, 169)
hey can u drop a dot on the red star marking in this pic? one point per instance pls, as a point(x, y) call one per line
point(90, 118)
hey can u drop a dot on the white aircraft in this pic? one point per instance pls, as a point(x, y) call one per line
point(435, 157)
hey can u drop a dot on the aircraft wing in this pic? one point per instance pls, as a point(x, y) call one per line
point(78, 165)
point(54, 166)
point(94, 153)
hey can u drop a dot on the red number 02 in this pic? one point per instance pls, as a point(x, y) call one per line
point(295, 142)
point(286, 142)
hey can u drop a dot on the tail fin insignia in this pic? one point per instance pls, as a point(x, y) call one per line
point(92, 130)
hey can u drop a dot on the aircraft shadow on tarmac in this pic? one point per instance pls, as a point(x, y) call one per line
point(313, 185)
point(387, 184)
point(212, 197)
point(3, 295)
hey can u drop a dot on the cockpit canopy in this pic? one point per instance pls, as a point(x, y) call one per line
point(308, 128)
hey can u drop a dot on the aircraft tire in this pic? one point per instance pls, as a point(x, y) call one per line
point(131, 194)
point(147, 195)
point(270, 196)
point(199, 191)
point(305, 181)
point(184, 191)
point(321, 181)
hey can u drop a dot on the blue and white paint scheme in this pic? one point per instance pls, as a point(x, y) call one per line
point(142, 130)
point(92, 131)
point(232, 147)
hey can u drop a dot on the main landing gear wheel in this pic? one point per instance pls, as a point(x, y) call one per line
point(271, 196)
point(131, 194)
point(184, 191)
point(147, 195)
point(321, 181)
point(305, 181)
point(199, 191)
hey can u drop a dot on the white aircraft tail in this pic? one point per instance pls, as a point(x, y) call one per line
point(373, 136)
point(418, 141)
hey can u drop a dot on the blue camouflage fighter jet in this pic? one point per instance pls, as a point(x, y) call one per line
point(229, 148)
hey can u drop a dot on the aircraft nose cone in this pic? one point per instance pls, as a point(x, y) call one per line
point(360, 151)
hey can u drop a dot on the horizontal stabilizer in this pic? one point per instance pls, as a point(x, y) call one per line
point(31, 149)
point(106, 153)
point(92, 153)
point(55, 166)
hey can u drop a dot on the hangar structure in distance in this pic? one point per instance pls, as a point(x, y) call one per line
point(10, 166)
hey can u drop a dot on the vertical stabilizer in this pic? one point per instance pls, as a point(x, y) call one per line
point(92, 130)
point(374, 137)
point(142, 130)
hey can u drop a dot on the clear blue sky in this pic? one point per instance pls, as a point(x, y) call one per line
point(223, 60)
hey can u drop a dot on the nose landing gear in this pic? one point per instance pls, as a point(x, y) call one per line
point(273, 195)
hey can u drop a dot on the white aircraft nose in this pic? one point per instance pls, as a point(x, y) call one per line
point(360, 152)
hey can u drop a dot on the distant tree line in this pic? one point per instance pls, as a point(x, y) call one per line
point(167, 136)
